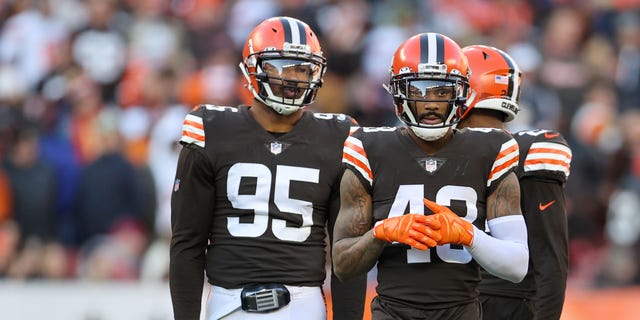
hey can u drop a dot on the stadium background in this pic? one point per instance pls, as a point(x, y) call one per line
point(93, 92)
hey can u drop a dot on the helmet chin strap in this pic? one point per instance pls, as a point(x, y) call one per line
point(430, 134)
point(427, 133)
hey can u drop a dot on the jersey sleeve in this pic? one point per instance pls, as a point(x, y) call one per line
point(193, 127)
point(545, 154)
point(355, 158)
point(505, 161)
point(191, 206)
point(543, 203)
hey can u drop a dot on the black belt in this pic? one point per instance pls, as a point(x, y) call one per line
point(264, 297)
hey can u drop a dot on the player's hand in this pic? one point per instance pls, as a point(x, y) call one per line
point(453, 229)
point(412, 229)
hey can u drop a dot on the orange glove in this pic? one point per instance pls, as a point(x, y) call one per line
point(453, 229)
point(412, 229)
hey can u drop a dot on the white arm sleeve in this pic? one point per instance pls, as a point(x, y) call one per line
point(505, 253)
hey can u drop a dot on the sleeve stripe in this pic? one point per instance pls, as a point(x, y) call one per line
point(506, 152)
point(361, 167)
point(353, 153)
point(499, 171)
point(194, 124)
point(551, 148)
point(193, 130)
point(564, 168)
point(548, 156)
point(547, 164)
point(355, 145)
point(353, 129)
point(507, 158)
point(189, 137)
point(357, 156)
point(195, 120)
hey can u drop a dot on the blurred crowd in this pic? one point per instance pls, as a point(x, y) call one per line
point(93, 94)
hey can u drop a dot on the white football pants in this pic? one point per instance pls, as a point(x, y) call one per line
point(306, 303)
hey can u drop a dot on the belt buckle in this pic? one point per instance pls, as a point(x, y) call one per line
point(264, 298)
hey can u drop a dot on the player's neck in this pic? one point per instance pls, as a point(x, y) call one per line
point(272, 121)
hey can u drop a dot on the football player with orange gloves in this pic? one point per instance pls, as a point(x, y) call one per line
point(468, 173)
point(543, 170)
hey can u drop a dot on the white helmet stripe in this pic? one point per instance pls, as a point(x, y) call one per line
point(295, 32)
point(433, 49)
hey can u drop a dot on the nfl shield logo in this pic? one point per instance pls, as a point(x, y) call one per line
point(431, 165)
point(276, 147)
point(176, 185)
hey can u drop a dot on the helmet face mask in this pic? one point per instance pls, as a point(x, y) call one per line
point(495, 82)
point(414, 90)
point(283, 64)
point(290, 82)
point(429, 68)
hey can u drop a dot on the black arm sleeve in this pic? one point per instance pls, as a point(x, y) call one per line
point(192, 208)
point(548, 242)
point(348, 297)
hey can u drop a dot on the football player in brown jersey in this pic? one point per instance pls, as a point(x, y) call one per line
point(429, 253)
point(255, 189)
point(543, 170)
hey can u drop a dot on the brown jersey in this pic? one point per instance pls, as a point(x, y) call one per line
point(398, 175)
point(259, 200)
point(544, 167)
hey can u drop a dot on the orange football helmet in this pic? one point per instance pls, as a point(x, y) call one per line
point(495, 81)
point(428, 61)
point(283, 64)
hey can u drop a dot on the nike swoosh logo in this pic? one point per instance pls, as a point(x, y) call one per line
point(544, 207)
point(550, 135)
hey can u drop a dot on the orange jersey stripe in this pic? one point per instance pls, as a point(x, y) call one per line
point(356, 162)
point(550, 150)
point(507, 151)
point(194, 124)
point(355, 147)
point(193, 135)
point(547, 161)
point(507, 164)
